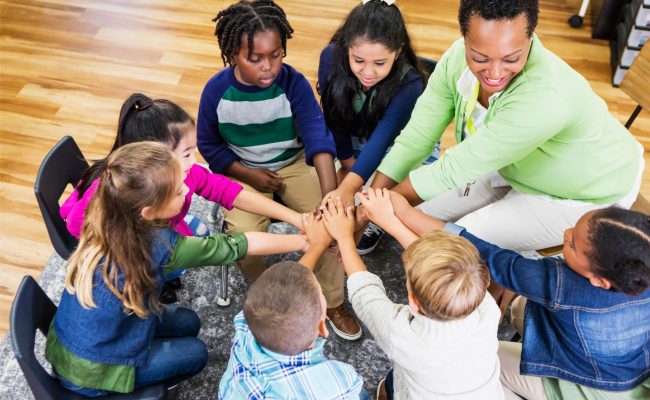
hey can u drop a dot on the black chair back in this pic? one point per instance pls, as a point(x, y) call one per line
point(428, 64)
point(62, 166)
point(32, 310)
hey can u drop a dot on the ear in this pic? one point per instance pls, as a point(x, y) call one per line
point(602, 283)
point(414, 303)
point(148, 213)
point(322, 329)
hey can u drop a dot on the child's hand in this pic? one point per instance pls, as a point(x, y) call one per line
point(378, 206)
point(339, 220)
point(315, 230)
point(400, 204)
point(346, 195)
point(264, 180)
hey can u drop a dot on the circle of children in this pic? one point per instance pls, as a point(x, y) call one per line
point(538, 161)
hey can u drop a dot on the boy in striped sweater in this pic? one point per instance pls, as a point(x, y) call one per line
point(259, 123)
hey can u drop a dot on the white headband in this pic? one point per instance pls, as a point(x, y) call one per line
point(389, 2)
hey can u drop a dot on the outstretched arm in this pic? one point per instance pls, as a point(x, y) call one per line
point(255, 203)
point(319, 240)
point(339, 221)
point(324, 164)
point(405, 188)
point(414, 219)
point(262, 243)
point(379, 208)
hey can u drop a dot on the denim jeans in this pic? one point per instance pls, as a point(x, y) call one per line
point(175, 353)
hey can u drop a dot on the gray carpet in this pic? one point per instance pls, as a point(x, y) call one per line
point(199, 292)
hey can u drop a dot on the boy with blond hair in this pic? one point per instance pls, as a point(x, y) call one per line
point(443, 344)
point(277, 351)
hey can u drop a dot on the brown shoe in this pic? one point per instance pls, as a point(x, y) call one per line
point(343, 324)
point(381, 390)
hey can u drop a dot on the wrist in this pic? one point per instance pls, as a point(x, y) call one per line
point(318, 246)
point(351, 183)
point(346, 239)
point(387, 222)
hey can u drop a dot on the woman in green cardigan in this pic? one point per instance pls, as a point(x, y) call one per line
point(537, 148)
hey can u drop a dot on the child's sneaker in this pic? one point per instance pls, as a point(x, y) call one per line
point(168, 294)
point(370, 239)
point(343, 323)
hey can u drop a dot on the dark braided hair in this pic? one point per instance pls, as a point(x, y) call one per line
point(249, 17)
point(142, 119)
point(376, 22)
point(498, 9)
point(620, 248)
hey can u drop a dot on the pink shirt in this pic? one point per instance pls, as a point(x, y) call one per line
point(213, 187)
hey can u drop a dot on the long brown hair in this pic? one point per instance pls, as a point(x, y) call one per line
point(115, 236)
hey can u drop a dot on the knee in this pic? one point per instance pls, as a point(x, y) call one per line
point(188, 321)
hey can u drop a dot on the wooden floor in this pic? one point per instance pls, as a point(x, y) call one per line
point(67, 65)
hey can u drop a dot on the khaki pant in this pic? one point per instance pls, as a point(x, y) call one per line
point(301, 192)
point(516, 385)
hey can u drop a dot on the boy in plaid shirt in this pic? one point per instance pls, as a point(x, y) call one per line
point(277, 351)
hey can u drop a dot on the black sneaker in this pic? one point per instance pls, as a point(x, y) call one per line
point(370, 239)
point(175, 283)
point(168, 295)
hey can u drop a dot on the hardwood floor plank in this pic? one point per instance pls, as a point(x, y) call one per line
point(66, 66)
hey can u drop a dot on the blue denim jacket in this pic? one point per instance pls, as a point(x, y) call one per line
point(106, 334)
point(573, 330)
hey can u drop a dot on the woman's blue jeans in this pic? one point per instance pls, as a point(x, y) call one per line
point(175, 353)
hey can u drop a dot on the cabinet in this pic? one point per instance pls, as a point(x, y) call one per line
point(632, 32)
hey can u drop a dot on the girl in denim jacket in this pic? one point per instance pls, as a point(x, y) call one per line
point(586, 328)
point(110, 332)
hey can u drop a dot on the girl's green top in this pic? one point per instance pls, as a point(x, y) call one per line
point(547, 133)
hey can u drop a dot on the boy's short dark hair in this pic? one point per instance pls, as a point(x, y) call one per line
point(283, 308)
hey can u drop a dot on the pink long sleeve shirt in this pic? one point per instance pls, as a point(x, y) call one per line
point(213, 187)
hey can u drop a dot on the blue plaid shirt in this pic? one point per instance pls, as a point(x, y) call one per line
point(255, 373)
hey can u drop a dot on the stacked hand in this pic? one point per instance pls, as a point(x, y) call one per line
point(339, 220)
point(315, 230)
point(345, 194)
point(377, 206)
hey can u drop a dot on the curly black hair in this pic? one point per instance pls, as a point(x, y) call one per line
point(496, 10)
point(249, 17)
point(620, 248)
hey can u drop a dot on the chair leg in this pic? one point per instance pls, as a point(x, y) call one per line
point(506, 299)
point(224, 300)
point(635, 114)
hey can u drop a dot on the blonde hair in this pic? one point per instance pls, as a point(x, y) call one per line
point(446, 275)
point(115, 237)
